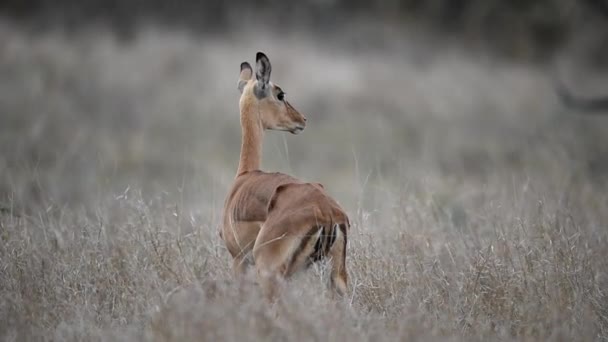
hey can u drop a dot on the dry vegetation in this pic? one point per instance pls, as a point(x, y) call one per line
point(479, 207)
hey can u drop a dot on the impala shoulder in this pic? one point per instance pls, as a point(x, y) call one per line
point(297, 194)
point(277, 194)
point(279, 175)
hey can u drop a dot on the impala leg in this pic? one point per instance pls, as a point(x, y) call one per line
point(279, 252)
point(239, 239)
point(339, 276)
point(270, 282)
point(270, 264)
point(240, 265)
point(270, 271)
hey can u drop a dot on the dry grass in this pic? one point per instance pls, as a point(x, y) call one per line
point(479, 207)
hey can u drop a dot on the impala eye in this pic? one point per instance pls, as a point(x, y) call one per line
point(281, 96)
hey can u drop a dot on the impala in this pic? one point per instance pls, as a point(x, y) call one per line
point(274, 221)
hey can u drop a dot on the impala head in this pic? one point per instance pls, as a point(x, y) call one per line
point(265, 101)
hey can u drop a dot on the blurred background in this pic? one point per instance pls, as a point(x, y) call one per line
point(100, 98)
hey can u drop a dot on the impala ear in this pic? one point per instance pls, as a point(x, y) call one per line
point(262, 69)
point(245, 76)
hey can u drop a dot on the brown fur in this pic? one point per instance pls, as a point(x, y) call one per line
point(284, 223)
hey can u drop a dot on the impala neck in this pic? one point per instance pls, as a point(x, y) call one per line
point(251, 144)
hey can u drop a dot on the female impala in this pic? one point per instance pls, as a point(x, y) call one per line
point(286, 224)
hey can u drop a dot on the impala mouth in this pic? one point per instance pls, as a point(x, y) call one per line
point(297, 130)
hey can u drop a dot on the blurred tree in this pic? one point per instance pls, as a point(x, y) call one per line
point(519, 29)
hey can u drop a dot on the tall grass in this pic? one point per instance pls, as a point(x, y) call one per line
point(479, 207)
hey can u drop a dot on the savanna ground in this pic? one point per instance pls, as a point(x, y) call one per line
point(479, 204)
